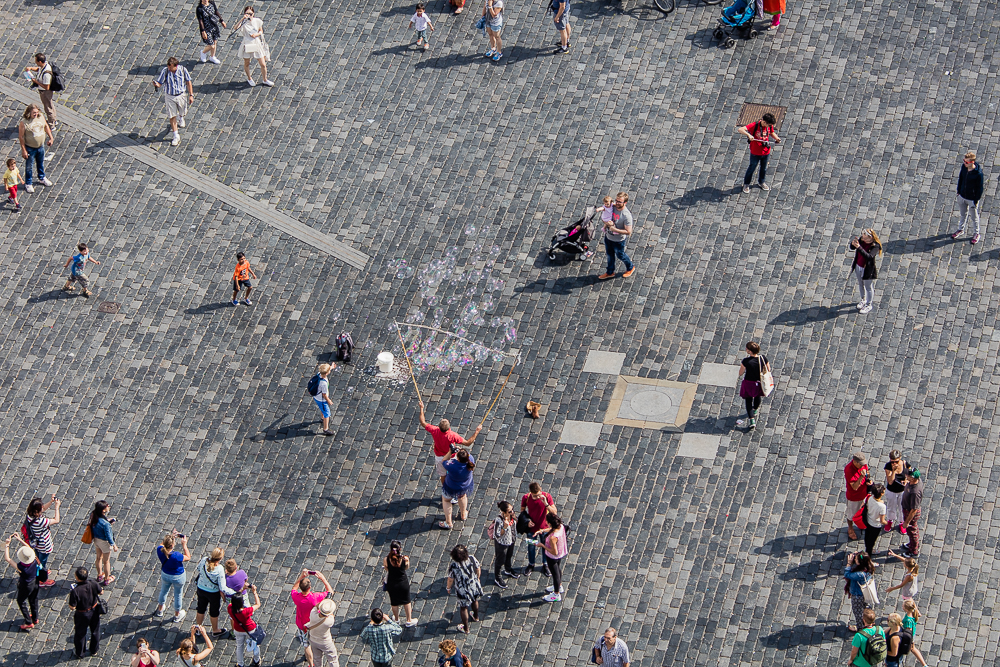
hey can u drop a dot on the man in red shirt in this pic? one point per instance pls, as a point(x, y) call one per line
point(759, 135)
point(856, 474)
point(539, 505)
point(445, 441)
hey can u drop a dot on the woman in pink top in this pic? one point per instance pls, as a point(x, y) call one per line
point(305, 600)
point(556, 550)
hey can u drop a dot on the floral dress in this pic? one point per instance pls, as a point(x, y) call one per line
point(468, 588)
point(209, 21)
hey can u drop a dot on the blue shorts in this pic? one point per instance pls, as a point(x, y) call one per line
point(324, 407)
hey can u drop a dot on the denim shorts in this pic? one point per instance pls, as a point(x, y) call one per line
point(324, 407)
point(422, 34)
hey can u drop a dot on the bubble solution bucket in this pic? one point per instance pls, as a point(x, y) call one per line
point(384, 362)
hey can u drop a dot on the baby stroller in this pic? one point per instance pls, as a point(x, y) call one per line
point(738, 17)
point(574, 239)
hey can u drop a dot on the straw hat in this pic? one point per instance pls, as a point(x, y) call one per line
point(26, 555)
point(326, 607)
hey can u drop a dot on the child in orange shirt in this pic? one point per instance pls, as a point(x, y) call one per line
point(241, 278)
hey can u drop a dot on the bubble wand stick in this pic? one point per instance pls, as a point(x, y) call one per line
point(408, 365)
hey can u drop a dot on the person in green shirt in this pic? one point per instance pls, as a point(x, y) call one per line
point(861, 638)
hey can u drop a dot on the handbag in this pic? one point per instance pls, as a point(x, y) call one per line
point(252, 47)
point(870, 591)
point(594, 650)
point(258, 635)
point(523, 519)
point(766, 379)
point(102, 606)
point(88, 535)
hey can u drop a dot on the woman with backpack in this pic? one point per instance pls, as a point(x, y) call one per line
point(502, 533)
point(457, 485)
point(104, 541)
point(211, 579)
point(35, 531)
point(898, 641)
point(858, 571)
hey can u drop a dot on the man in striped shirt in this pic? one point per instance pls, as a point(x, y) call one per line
point(173, 78)
point(611, 651)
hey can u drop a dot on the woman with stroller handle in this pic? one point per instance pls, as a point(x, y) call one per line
point(866, 248)
point(753, 366)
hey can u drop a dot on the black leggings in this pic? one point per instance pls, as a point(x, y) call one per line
point(871, 537)
point(555, 568)
point(27, 601)
point(504, 556)
point(752, 405)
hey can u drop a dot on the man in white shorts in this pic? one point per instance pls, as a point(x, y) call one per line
point(445, 442)
point(173, 78)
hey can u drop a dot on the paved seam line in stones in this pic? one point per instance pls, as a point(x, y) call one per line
point(205, 184)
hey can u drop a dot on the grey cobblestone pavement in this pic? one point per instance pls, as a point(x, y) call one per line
point(185, 412)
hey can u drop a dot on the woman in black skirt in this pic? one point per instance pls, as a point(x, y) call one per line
point(751, 368)
point(397, 584)
point(209, 20)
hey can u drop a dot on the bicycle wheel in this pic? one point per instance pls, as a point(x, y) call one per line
point(711, 2)
point(666, 6)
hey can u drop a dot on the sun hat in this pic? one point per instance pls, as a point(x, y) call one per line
point(26, 555)
point(326, 607)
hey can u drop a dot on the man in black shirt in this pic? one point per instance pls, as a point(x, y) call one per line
point(83, 600)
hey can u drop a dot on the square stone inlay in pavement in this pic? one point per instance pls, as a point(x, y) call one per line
point(650, 403)
point(751, 113)
point(601, 361)
point(580, 433)
point(699, 445)
point(719, 375)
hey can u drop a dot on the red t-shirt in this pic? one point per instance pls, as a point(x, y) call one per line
point(443, 440)
point(537, 509)
point(759, 131)
point(853, 474)
point(242, 619)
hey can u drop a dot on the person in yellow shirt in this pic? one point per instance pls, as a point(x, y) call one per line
point(11, 178)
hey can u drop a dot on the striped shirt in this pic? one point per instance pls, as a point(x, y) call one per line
point(616, 656)
point(173, 82)
point(39, 535)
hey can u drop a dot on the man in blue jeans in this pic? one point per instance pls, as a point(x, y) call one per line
point(616, 233)
point(759, 136)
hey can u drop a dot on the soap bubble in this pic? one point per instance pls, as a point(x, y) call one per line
point(498, 357)
point(497, 285)
point(470, 230)
point(470, 313)
point(495, 251)
point(415, 318)
point(404, 271)
point(452, 299)
point(482, 353)
point(496, 322)
point(431, 301)
point(487, 305)
point(511, 334)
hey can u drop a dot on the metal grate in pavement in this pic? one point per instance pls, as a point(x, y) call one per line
point(751, 113)
point(283, 223)
point(109, 307)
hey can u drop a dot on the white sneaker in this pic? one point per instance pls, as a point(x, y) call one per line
point(861, 304)
point(549, 589)
point(203, 56)
point(213, 59)
point(252, 84)
point(180, 121)
point(454, 501)
point(180, 616)
point(267, 82)
point(867, 309)
point(176, 140)
point(46, 182)
point(412, 623)
point(553, 597)
point(746, 189)
point(158, 613)
point(30, 188)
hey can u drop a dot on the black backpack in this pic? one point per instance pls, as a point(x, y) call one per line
point(905, 642)
point(522, 526)
point(345, 345)
point(313, 386)
point(58, 83)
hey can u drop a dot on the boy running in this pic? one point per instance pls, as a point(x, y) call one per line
point(76, 274)
point(10, 180)
point(241, 278)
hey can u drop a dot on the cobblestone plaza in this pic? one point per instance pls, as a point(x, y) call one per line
point(378, 183)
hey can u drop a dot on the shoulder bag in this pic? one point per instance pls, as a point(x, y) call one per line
point(766, 378)
point(860, 519)
point(88, 535)
point(870, 591)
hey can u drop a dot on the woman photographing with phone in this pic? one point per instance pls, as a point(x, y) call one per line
point(188, 650)
point(866, 248)
point(145, 657)
point(254, 46)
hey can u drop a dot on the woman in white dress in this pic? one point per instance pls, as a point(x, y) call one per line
point(254, 45)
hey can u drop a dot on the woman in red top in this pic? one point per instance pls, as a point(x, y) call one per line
point(243, 625)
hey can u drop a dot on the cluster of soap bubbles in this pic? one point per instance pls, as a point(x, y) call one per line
point(440, 351)
point(401, 268)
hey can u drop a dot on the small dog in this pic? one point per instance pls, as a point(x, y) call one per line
point(532, 408)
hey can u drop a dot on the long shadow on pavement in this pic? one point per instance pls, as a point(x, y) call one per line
point(563, 286)
point(908, 246)
point(708, 194)
point(803, 316)
point(823, 632)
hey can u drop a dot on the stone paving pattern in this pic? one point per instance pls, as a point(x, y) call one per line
point(187, 413)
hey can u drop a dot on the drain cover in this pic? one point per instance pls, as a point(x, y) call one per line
point(751, 113)
point(109, 307)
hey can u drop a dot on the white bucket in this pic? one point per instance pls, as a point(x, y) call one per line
point(384, 362)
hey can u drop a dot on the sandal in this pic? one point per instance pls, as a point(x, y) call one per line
point(461, 628)
point(852, 628)
point(443, 525)
point(109, 580)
